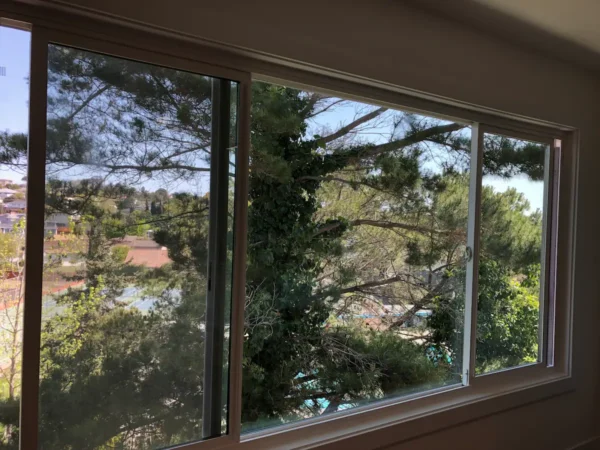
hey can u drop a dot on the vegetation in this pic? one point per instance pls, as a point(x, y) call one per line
point(355, 232)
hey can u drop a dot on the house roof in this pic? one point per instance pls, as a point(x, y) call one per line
point(16, 204)
point(148, 257)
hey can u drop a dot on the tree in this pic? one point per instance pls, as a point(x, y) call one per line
point(12, 266)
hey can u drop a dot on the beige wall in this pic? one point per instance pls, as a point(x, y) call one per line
point(387, 41)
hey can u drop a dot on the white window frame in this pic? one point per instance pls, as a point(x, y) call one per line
point(405, 417)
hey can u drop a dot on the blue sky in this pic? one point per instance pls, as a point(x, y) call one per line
point(14, 96)
point(14, 88)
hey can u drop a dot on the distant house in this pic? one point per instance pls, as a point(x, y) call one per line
point(16, 205)
point(61, 222)
point(5, 227)
point(61, 219)
point(50, 228)
point(8, 221)
point(4, 181)
point(144, 252)
point(4, 193)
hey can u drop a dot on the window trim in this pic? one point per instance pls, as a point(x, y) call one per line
point(34, 237)
point(473, 231)
point(404, 417)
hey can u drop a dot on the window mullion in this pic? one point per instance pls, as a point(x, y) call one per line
point(34, 251)
point(217, 260)
point(546, 242)
point(238, 297)
point(473, 229)
point(549, 246)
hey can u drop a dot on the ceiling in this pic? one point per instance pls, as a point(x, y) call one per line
point(575, 20)
point(565, 29)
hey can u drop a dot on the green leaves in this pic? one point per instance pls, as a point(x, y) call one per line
point(507, 318)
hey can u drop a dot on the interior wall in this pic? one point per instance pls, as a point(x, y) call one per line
point(389, 41)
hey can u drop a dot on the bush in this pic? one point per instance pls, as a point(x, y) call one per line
point(120, 252)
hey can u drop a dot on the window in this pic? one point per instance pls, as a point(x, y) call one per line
point(359, 254)
point(129, 334)
point(514, 203)
point(213, 262)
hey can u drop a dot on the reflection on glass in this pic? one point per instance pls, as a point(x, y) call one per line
point(356, 269)
point(14, 112)
point(510, 261)
point(129, 164)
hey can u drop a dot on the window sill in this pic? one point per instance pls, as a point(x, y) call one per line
point(409, 417)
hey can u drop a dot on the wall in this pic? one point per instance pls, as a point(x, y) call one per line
point(388, 41)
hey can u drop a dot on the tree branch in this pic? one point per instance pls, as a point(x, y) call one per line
point(418, 136)
point(312, 101)
point(371, 284)
point(325, 108)
point(381, 224)
point(86, 102)
point(352, 125)
point(165, 219)
point(403, 226)
point(145, 169)
point(420, 304)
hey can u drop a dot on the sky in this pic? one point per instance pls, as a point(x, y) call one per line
point(14, 88)
point(14, 96)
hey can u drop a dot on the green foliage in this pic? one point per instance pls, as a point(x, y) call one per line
point(186, 234)
point(127, 368)
point(508, 328)
point(507, 318)
point(119, 253)
point(509, 233)
point(380, 363)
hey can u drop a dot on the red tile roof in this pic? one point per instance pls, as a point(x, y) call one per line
point(148, 257)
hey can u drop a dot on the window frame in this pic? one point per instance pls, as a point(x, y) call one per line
point(405, 417)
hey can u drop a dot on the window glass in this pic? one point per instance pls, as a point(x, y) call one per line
point(14, 119)
point(135, 335)
point(513, 209)
point(356, 255)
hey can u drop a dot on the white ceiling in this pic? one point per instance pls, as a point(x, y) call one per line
point(575, 20)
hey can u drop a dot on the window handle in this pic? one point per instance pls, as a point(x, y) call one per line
point(468, 254)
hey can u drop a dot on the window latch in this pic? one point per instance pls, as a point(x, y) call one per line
point(468, 254)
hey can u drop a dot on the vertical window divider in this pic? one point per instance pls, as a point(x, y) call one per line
point(217, 260)
point(34, 244)
point(547, 215)
point(470, 322)
point(552, 183)
point(238, 300)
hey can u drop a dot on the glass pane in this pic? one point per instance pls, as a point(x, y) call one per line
point(356, 268)
point(510, 260)
point(14, 119)
point(130, 172)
